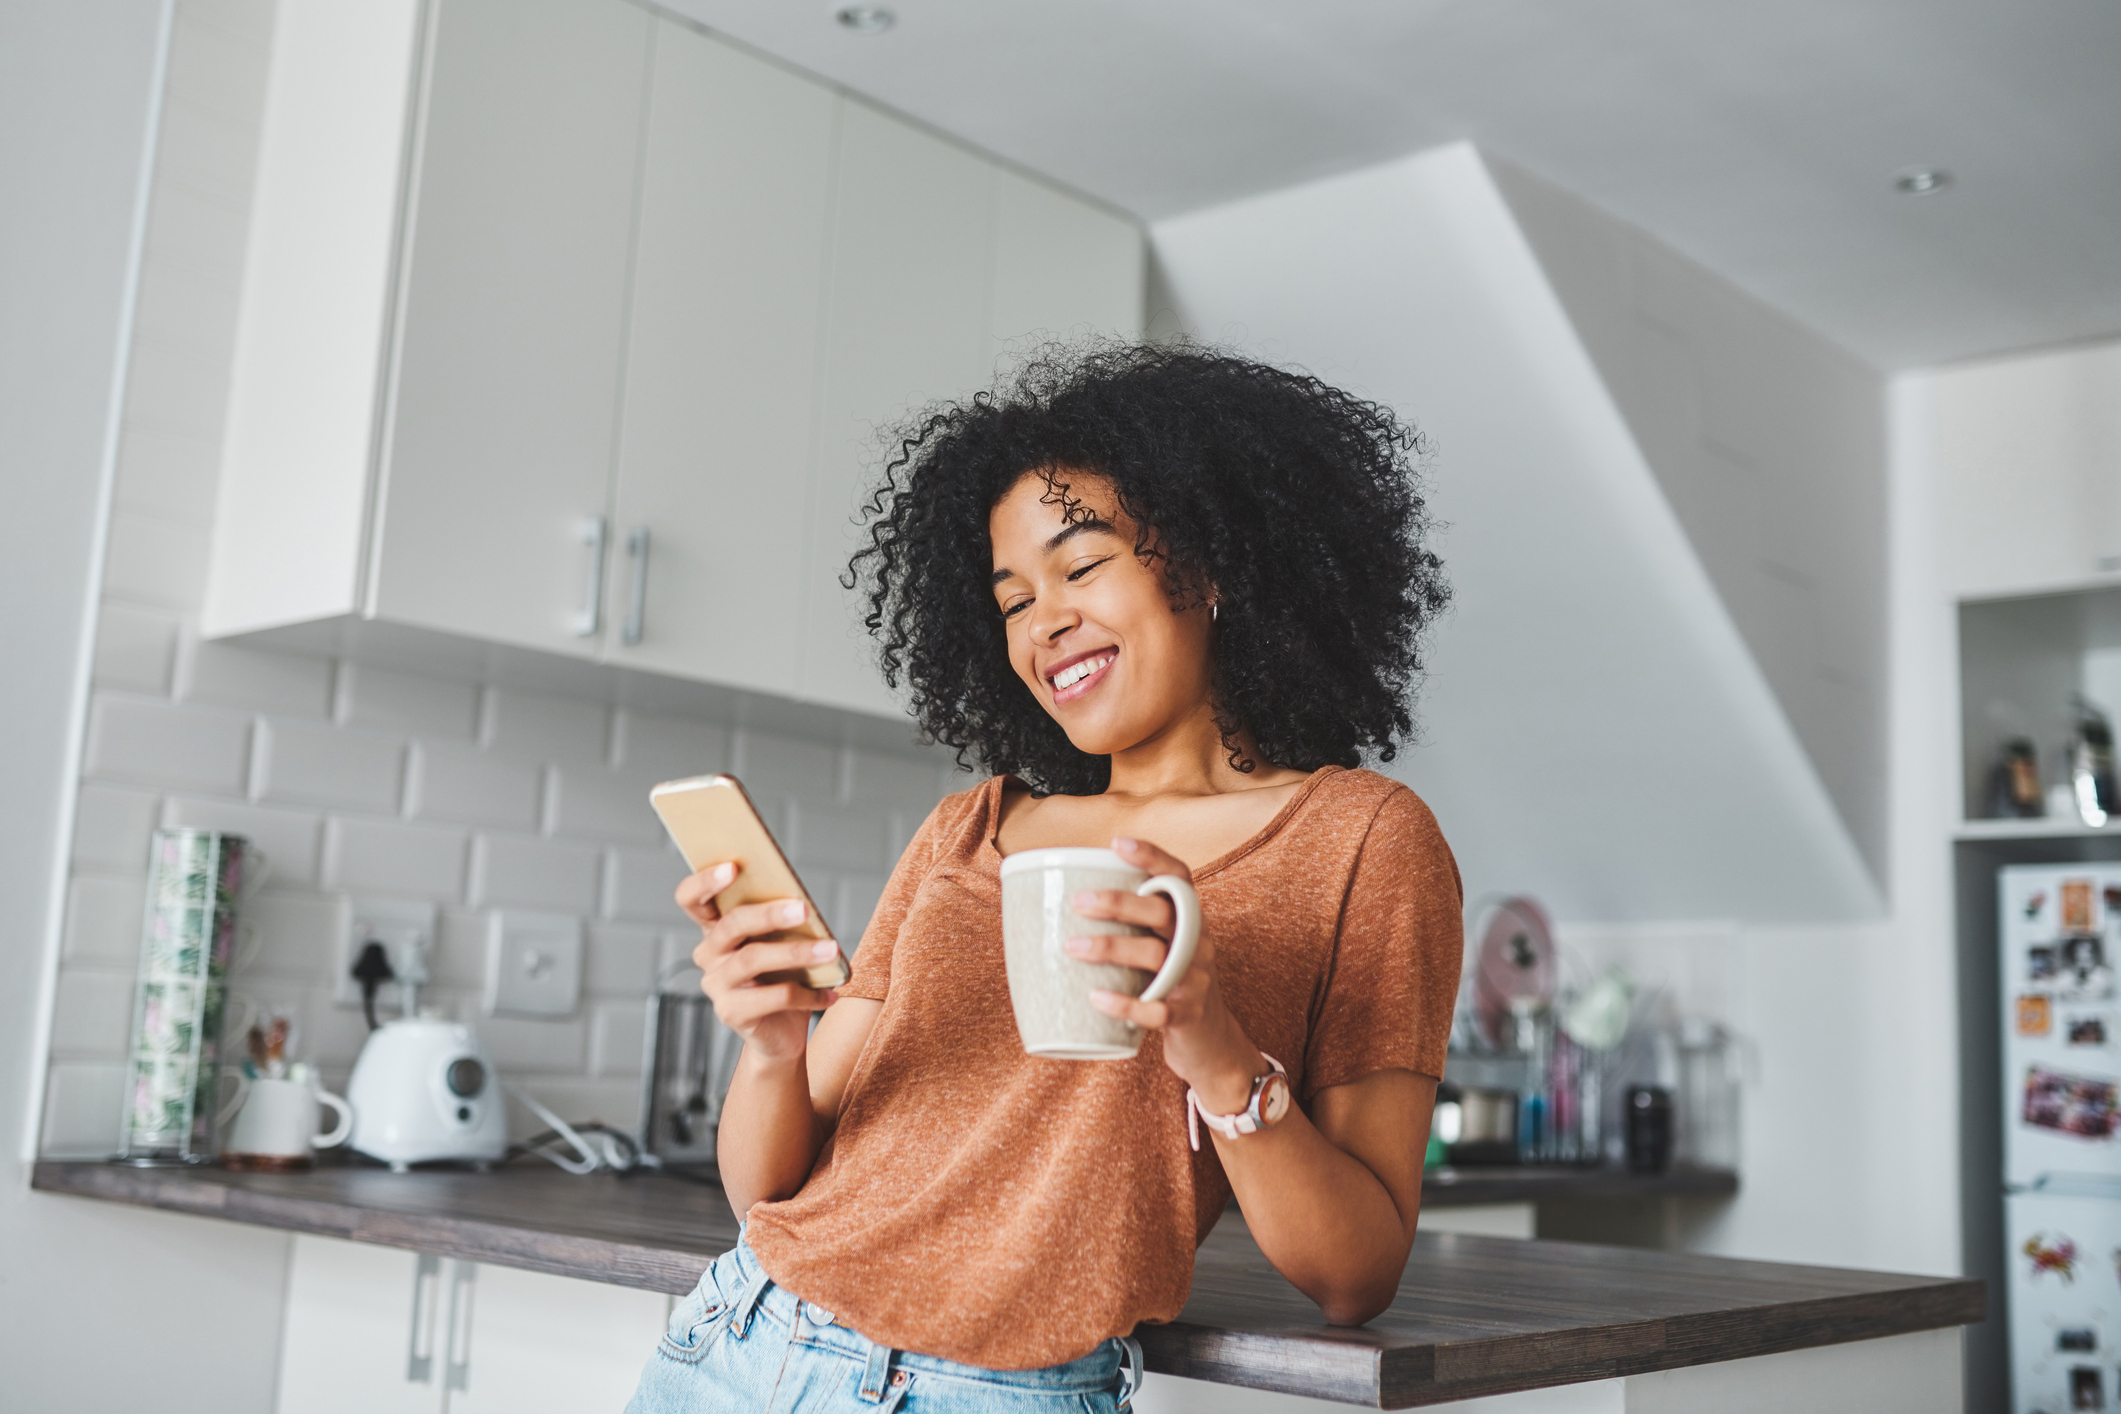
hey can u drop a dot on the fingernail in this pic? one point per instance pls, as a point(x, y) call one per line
point(1085, 900)
point(826, 949)
point(792, 912)
point(1103, 998)
point(1076, 947)
point(723, 873)
point(1122, 842)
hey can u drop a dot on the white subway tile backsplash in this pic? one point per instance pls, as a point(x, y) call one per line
point(297, 937)
point(458, 959)
point(621, 960)
point(858, 894)
point(591, 802)
point(886, 779)
point(530, 873)
point(311, 763)
point(92, 1015)
point(159, 744)
point(614, 1102)
point(769, 763)
point(669, 748)
point(112, 826)
point(520, 1044)
point(675, 947)
point(82, 1109)
point(838, 836)
point(104, 917)
point(155, 560)
point(616, 1033)
point(289, 837)
point(474, 787)
point(386, 857)
point(639, 883)
point(332, 1035)
point(377, 700)
point(233, 676)
point(136, 649)
point(554, 728)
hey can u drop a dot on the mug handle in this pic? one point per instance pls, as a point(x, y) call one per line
point(1185, 935)
point(341, 1130)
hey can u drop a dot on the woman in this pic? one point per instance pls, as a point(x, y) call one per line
point(1168, 599)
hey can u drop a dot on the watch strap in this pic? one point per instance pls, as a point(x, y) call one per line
point(1245, 1121)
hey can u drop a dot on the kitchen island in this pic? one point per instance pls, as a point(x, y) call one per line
point(1474, 1316)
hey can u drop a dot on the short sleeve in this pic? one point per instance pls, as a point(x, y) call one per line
point(872, 959)
point(1394, 979)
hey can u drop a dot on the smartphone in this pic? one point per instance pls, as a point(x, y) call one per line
point(712, 820)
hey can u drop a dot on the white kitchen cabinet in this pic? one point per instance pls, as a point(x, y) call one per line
point(2026, 454)
point(907, 324)
point(568, 331)
point(722, 366)
point(375, 1330)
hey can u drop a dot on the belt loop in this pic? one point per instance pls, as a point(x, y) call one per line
point(1132, 1349)
point(754, 1293)
point(876, 1372)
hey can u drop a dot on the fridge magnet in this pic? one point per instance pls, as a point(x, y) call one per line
point(2059, 1256)
point(2043, 962)
point(2034, 904)
point(2084, 975)
point(2077, 904)
point(2080, 1340)
point(2070, 1104)
point(2036, 1014)
point(2087, 1387)
point(2091, 1030)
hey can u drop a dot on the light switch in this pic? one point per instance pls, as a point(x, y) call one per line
point(533, 964)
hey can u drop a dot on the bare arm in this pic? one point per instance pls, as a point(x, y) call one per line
point(785, 1096)
point(1331, 1197)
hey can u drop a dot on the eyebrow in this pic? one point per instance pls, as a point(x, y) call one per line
point(1069, 532)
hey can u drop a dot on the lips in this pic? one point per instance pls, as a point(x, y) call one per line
point(1076, 675)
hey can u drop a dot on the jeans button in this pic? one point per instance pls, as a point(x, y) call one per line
point(818, 1314)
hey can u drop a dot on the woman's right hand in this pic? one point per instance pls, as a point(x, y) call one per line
point(772, 1017)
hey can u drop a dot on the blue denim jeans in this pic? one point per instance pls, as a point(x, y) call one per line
point(740, 1343)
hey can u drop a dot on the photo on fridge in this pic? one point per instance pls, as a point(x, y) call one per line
point(2070, 1104)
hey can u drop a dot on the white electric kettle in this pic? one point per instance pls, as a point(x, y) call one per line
point(424, 1090)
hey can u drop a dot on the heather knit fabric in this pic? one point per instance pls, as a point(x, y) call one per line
point(1003, 1210)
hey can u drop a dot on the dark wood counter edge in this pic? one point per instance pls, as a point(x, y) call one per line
point(1465, 1187)
point(1357, 1366)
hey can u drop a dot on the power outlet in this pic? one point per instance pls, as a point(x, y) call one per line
point(396, 923)
point(533, 964)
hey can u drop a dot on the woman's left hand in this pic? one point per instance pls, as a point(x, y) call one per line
point(1203, 1044)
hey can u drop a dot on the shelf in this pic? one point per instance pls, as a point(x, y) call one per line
point(2045, 828)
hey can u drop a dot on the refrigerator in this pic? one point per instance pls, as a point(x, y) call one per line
point(2061, 938)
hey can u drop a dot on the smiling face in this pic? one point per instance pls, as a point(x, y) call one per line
point(1093, 631)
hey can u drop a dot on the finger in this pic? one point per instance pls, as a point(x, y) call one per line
point(1120, 949)
point(1150, 1016)
point(1153, 912)
point(747, 1005)
point(740, 925)
point(695, 893)
point(755, 959)
point(1143, 855)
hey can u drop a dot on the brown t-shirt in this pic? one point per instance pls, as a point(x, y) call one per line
point(1009, 1211)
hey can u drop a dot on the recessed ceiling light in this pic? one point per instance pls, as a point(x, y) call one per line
point(866, 19)
point(1922, 181)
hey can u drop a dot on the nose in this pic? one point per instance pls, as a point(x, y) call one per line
point(1049, 620)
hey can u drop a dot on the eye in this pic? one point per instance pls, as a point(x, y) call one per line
point(1074, 575)
point(1010, 611)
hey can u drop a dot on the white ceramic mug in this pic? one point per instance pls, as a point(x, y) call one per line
point(1049, 990)
point(277, 1127)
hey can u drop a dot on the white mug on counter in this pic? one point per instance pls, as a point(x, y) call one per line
point(1048, 989)
point(277, 1127)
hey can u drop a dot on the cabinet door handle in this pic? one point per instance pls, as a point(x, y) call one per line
point(596, 534)
point(637, 611)
point(420, 1345)
point(457, 1372)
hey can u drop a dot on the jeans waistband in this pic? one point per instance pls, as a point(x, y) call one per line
point(811, 1324)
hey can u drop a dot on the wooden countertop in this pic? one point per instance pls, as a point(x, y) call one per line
point(1474, 1315)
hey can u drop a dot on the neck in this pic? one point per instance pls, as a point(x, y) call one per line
point(1188, 757)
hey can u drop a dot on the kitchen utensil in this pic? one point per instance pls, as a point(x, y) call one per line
point(685, 1069)
point(1649, 1127)
point(1514, 961)
point(423, 1090)
point(197, 882)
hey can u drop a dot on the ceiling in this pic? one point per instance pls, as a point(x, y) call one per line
point(1760, 140)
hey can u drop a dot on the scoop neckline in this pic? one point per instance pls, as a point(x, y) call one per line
point(998, 783)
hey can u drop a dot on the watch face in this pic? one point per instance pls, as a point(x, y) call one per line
point(1274, 1098)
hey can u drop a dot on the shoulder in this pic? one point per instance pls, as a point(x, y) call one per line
point(1391, 827)
point(961, 820)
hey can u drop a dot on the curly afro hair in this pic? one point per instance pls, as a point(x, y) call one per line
point(1298, 503)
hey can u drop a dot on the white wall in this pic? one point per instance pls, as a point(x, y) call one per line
point(100, 1309)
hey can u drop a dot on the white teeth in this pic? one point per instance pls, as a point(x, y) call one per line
point(1070, 676)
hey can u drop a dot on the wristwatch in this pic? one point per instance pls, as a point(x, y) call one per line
point(1269, 1102)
